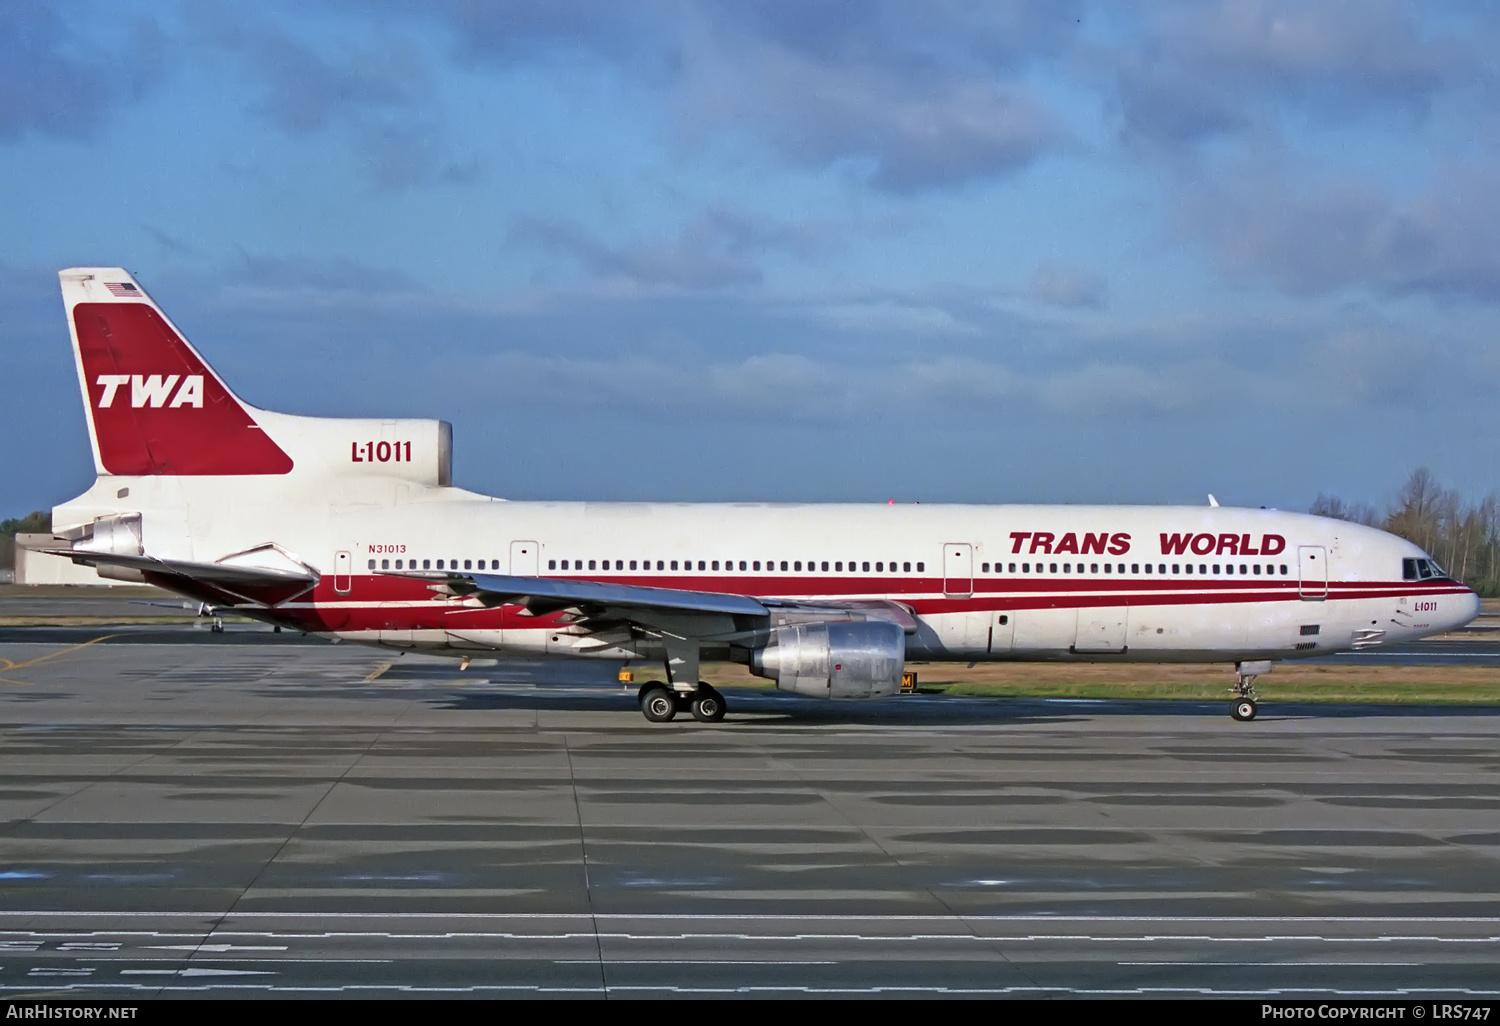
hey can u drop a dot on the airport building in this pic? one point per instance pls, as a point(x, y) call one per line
point(34, 567)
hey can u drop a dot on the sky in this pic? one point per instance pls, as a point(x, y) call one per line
point(785, 250)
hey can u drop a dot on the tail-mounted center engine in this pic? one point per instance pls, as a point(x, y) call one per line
point(843, 659)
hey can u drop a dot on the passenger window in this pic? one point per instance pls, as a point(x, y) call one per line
point(1025, 568)
point(591, 564)
point(1148, 568)
point(701, 565)
point(920, 567)
point(838, 567)
point(398, 564)
point(1257, 568)
point(372, 564)
point(714, 565)
point(1093, 568)
point(742, 565)
point(1188, 568)
point(825, 565)
point(1202, 568)
point(1054, 567)
point(1242, 568)
point(880, 568)
point(1004, 619)
point(783, 565)
point(1135, 568)
point(1175, 568)
point(797, 565)
point(674, 564)
point(754, 566)
point(1013, 568)
point(866, 567)
point(1067, 568)
point(984, 568)
point(426, 564)
point(1108, 567)
point(385, 564)
point(1283, 569)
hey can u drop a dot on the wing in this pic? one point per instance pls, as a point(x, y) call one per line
point(602, 608)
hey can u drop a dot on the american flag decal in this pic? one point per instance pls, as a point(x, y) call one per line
point(123, 289)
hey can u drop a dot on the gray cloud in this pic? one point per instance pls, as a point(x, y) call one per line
point(1067, 287)
point(1204, 68)
point(717, 249)
point(381, 94)
point(57, 81)
point(1310, 238)
point(923, 97)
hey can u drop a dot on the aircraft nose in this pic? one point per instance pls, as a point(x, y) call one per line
point(1468, 608)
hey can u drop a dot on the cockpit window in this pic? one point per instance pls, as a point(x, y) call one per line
point(1420, 570)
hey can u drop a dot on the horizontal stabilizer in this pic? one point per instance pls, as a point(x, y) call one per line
point(212, 582)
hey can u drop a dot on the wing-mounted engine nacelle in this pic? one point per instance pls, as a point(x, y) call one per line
point(842, 659)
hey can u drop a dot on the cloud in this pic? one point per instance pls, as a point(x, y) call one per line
point(717, 249)
point(1312, 237)
point(1067, 287)
point(381, 94)
point(888, 316)
point(915, 133)
point(920, 98)
point(1200, 69)
point(55, 80)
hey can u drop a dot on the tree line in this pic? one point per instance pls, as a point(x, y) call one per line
point(1463, 536)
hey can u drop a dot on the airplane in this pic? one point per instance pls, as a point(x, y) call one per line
point(353, 528)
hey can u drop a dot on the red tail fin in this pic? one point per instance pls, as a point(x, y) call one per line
point(154, 406)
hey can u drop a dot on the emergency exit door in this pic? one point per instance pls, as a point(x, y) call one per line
point(341, 565)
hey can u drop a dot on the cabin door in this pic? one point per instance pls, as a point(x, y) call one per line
point(524, 561)
point(958, 569)
point(341, 565)
point(1312, 572)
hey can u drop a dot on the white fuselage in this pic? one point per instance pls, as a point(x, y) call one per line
point(1144, 583)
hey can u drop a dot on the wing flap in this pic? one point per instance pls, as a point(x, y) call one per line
point(548, 595)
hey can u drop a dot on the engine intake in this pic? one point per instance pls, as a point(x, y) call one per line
point(842, 659)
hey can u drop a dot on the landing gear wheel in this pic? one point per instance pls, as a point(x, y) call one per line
point(658, 704)
point(1243, 709)
point(708, 704)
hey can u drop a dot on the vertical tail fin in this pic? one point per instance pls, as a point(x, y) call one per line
point(154, 406)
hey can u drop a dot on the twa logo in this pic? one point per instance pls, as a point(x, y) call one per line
point(152, 390)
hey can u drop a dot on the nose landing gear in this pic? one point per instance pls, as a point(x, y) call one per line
point(1243, 707)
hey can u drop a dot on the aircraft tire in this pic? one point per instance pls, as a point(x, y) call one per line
point(658, 704)
point(1243, 709)
point(708, 704)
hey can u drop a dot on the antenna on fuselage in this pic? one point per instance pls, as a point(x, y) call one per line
point(1213, 501)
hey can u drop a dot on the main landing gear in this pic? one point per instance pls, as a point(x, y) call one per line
point(660, 704)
